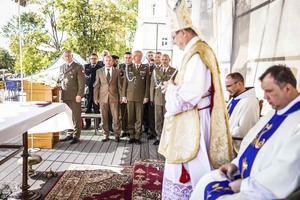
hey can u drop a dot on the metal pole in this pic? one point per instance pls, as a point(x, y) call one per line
point(20, 49)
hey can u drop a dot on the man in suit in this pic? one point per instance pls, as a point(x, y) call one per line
point(123, 109)
point(107, 92)
point(135, 93)
point(72, 84)
point(160, 75)
point(90, 75)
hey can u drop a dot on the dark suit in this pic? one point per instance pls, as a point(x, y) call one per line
point(90, 75)
point(72, 84)
point(122, 106)
point(158, 77)
point(135, 89)
point(108, 93)
point(148, 118)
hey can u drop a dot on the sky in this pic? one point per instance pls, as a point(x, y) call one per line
point(8, 8)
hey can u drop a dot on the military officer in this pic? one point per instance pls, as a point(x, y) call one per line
point(135, 93)
point(90, 75)
point(72, 81)
point(159, 75)
point(122, 106)
point(148, 118)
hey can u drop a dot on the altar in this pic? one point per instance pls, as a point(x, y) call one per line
point(39, 92)
point(22, 118)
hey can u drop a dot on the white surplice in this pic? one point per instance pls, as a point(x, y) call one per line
point(244, 115)
point(193, 92)
point(275, 172)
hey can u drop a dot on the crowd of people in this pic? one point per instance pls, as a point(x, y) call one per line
point(120, 92)
point(184, 110)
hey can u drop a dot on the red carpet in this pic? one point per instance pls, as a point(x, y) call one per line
point(90, 182)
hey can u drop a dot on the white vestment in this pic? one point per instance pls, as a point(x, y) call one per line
point(275, 172)
point(244, 115)
point(193, 92)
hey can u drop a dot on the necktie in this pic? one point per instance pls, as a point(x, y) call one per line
point(108, 75)
point(164, 73)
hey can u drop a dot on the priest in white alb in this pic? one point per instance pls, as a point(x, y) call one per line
point(267, 166)
point(195, 135)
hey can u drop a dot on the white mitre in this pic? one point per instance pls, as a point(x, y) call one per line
point(179, 16)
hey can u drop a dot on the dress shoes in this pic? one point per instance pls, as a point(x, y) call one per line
point(150, 137)
point(145, 130)
point(137, 141)
point(86, 127)
point(105, 139)
point(131, 140)
point(117, 139)
point(125, 135)
point(156, 142)
point(74, 141)
point(68, 138)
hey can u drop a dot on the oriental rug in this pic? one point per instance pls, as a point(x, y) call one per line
point(147, 179)
point(87, 182)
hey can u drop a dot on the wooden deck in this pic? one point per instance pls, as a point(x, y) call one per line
point(90, 150)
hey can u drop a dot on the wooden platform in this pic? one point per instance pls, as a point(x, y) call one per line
point(90, 150)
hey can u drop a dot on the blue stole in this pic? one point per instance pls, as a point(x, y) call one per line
point(247, 159)
point(231, 106)
point(218, 188)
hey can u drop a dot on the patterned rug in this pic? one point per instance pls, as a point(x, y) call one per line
point(90, 182)
point(147, 180)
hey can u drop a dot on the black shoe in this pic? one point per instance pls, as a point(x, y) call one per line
point(74, 141)
point(66, 139)
point(145, 131)
point(105, 140)
point(86, 127)
point(150, 137)
point(137, 141)
point(117, 139)
point(125, 135)
point(156, 142)
point(131, 141)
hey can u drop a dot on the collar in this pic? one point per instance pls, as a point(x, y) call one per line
point(110, 68)
point(283, 110)
point(70, 63)
point(191, 43)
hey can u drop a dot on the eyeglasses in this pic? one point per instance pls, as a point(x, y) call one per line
point(176, 33)
point(228, 86)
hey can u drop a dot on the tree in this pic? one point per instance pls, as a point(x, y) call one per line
point(34, 36)
point(51, 14)
point(6, 60)
point(95, 25)
point(90, 26)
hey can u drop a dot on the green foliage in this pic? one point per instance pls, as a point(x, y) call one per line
point(90, 26)
point(96, 25)
point(30, 21)
point(6, 60)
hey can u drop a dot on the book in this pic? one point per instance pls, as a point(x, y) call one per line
point(36, 103)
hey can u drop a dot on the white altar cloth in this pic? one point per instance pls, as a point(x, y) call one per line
point(18, 117)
